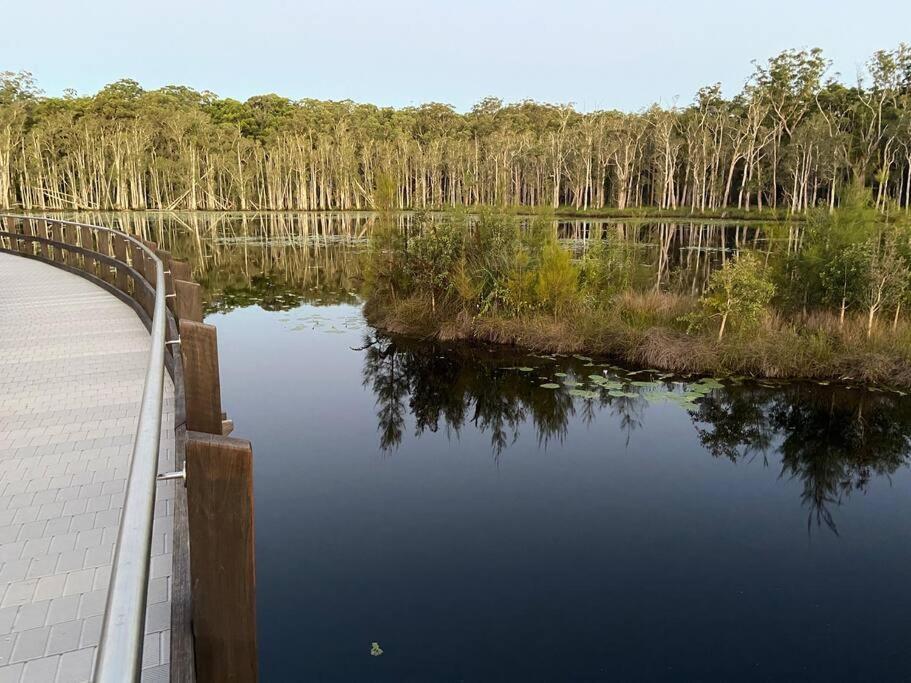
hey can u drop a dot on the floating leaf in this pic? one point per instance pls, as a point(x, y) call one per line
point(560, 374)
point(582, 357)
point(524, 369)
point(375, 650)
point(550, 385)
point(582, 393)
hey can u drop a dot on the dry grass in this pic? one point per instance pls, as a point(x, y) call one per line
point(644, 329)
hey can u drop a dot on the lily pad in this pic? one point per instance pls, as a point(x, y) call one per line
point(550, 385)
point(582, 393)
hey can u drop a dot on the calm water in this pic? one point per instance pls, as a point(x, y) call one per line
point(480, 527)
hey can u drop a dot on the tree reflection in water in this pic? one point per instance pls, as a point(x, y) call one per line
point(834, 440)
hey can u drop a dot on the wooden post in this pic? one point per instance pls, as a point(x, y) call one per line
point(222, 567)
point(188, 302)
point(104, 247)
point(120, 253)
point(165, 257)
point(181, 271)
point(28, 246)
point(85, 237)
point(56, 234)
point(11, 228)
point(69, 237)
point(199, 356)
point(148, 271)
point(137, 259)
point(43, 232)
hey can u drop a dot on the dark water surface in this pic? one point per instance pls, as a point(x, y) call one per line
point(480, 527)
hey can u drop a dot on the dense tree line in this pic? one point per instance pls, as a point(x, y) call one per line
point(790, 140)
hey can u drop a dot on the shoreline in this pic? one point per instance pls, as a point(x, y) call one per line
point(764, 356)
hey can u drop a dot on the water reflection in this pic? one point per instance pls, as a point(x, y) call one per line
point(834, 440)
point(313, 255)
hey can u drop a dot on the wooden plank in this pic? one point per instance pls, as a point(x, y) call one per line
point(222, 563)
point(188, 301)
point(199, 356)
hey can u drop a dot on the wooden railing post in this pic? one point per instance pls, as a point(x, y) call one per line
point(188, 301)
point(181, 271)
point(43, 232)
point(28, 229)
point(222, 564)
point(86, 242)
point(10, 224)
point(120, 253)
point(202, 387)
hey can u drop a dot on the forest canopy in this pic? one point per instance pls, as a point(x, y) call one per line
point(791, 139)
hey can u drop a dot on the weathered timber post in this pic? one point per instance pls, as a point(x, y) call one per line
point(43, 232)
point(148, 271)
point(11, 228)
point(140, 291)
point(104, 247)
point(86, 242)
point(69, 237)
point(222, 565)
point(181, 270)
point(199, 355)
point(56, 234)
point(28, 246)
point(120, 253)
point(188, 301)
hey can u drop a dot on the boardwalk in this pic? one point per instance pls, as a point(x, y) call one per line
point(72, 365)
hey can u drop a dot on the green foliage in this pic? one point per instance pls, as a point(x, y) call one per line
point(557, 283)
point(608, 267)
point(737, 295)
point(843, 278)
point(491, 264)
point(433, 258)
point(828, 258)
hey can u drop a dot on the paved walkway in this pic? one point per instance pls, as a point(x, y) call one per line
point(72, 366)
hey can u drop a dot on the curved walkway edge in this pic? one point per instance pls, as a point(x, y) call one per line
point(72, 364)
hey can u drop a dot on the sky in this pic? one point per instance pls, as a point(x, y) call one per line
point(595, 54)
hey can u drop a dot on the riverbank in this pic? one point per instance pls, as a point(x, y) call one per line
point(642, 331)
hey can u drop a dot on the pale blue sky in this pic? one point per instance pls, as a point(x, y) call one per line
point(605, 54)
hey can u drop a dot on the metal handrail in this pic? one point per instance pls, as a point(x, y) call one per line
point(119, 656)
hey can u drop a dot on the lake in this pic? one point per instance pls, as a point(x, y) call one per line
point(487, 515)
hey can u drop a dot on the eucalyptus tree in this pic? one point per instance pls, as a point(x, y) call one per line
point(792, 138)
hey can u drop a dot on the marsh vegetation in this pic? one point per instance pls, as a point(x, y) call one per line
point(823, 298)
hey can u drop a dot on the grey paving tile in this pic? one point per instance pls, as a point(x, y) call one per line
point(68, 408)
